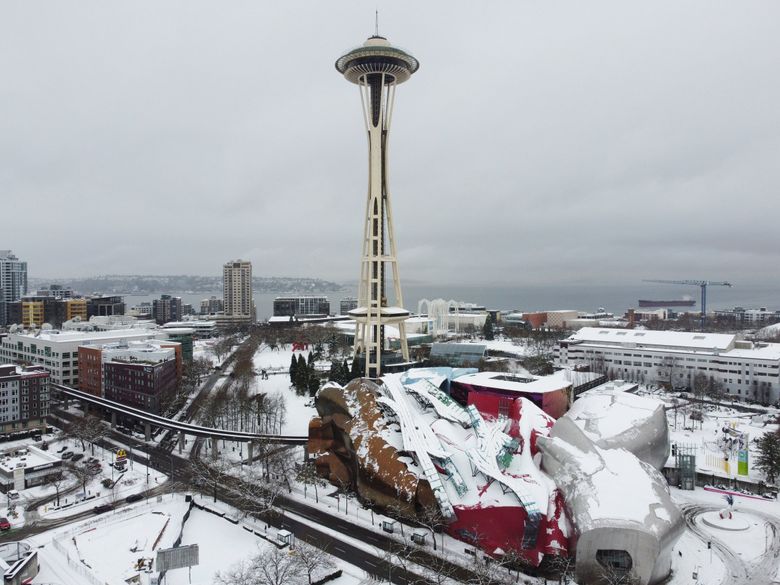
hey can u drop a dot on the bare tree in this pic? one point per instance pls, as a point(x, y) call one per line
point(307, 475)
point(83, 474)
point(441, 570)
point(242, 573)
point(87, 429)
point(271, 566)
point(223, 346)
point(486, 570)
point(432, 518)
point(563, 566)
point(612, 576)
point(55, 480)
point(312, 559)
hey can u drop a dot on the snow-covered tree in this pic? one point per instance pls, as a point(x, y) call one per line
point(768, 459)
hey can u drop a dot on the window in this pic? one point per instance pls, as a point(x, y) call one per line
point(618, 560)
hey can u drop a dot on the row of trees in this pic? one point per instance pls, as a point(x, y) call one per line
point(303, 374)
point(277, 566)
point(238, 409)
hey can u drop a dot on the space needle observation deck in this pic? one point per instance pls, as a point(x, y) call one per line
point(377, 67)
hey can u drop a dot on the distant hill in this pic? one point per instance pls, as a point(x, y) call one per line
point(152, 284)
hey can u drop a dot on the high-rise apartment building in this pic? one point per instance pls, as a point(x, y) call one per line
point(166, 308)
point(211, 306)
point(237, 291)
point(13, 282)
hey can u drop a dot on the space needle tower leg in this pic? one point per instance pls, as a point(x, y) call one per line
point(377, 68)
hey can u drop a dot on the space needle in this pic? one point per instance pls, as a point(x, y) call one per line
point(377, 67)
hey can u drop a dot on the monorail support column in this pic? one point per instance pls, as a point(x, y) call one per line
point(214, 444)
point(113, 419)
point(250, 447)
point(148, 431)
point(181, 441)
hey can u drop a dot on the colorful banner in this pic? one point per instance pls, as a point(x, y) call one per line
point(742, 464)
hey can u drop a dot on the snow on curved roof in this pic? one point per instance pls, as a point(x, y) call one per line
point(603, 414)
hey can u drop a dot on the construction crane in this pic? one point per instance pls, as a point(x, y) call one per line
point(703, 284)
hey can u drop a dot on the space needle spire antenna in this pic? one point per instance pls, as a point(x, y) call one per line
point(377, 68)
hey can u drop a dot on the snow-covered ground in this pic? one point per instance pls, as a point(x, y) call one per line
point(135, 479)
point(223, 544)
point(202, 349)
point(276, 363)
point(122, 545)
point(706, 437)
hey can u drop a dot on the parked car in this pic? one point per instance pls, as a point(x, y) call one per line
point(77, 457)
point(13, 495)
point(5, 524)
point(134, 498)
point(120, 465)
point(44, 446)
point(61, 449)
point(67, 455)
point(102, 509)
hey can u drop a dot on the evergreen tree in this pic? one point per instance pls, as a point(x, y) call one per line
point(293, 368)
point(314, 385)
point(487, 329)
point(346, 375)
point(335, 372)
point(301, 374)
point(768, 459)
point(310, 361)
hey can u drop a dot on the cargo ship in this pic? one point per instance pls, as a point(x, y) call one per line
point(674, 303)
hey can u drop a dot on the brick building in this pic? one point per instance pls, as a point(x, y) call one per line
point(142, 374)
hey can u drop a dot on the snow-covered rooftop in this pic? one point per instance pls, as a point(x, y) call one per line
point(527, 383)
point(55, 336)
point(678, 339)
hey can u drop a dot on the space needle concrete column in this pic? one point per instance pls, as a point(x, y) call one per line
point(377, 68)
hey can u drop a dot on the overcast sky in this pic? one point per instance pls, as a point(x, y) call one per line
point(540, 142)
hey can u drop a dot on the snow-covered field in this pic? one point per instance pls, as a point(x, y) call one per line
point(118, 546)
point(202, 349)
point(276, 363)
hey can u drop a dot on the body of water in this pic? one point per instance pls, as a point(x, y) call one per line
point(615, 299)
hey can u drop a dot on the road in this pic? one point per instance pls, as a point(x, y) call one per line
point(738, 571)
point(230, 490)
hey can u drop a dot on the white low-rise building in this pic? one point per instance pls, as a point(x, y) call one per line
point(744, 369)
point(57, 351)
point(201, 328)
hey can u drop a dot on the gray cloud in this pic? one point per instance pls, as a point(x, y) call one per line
point(539, 142)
